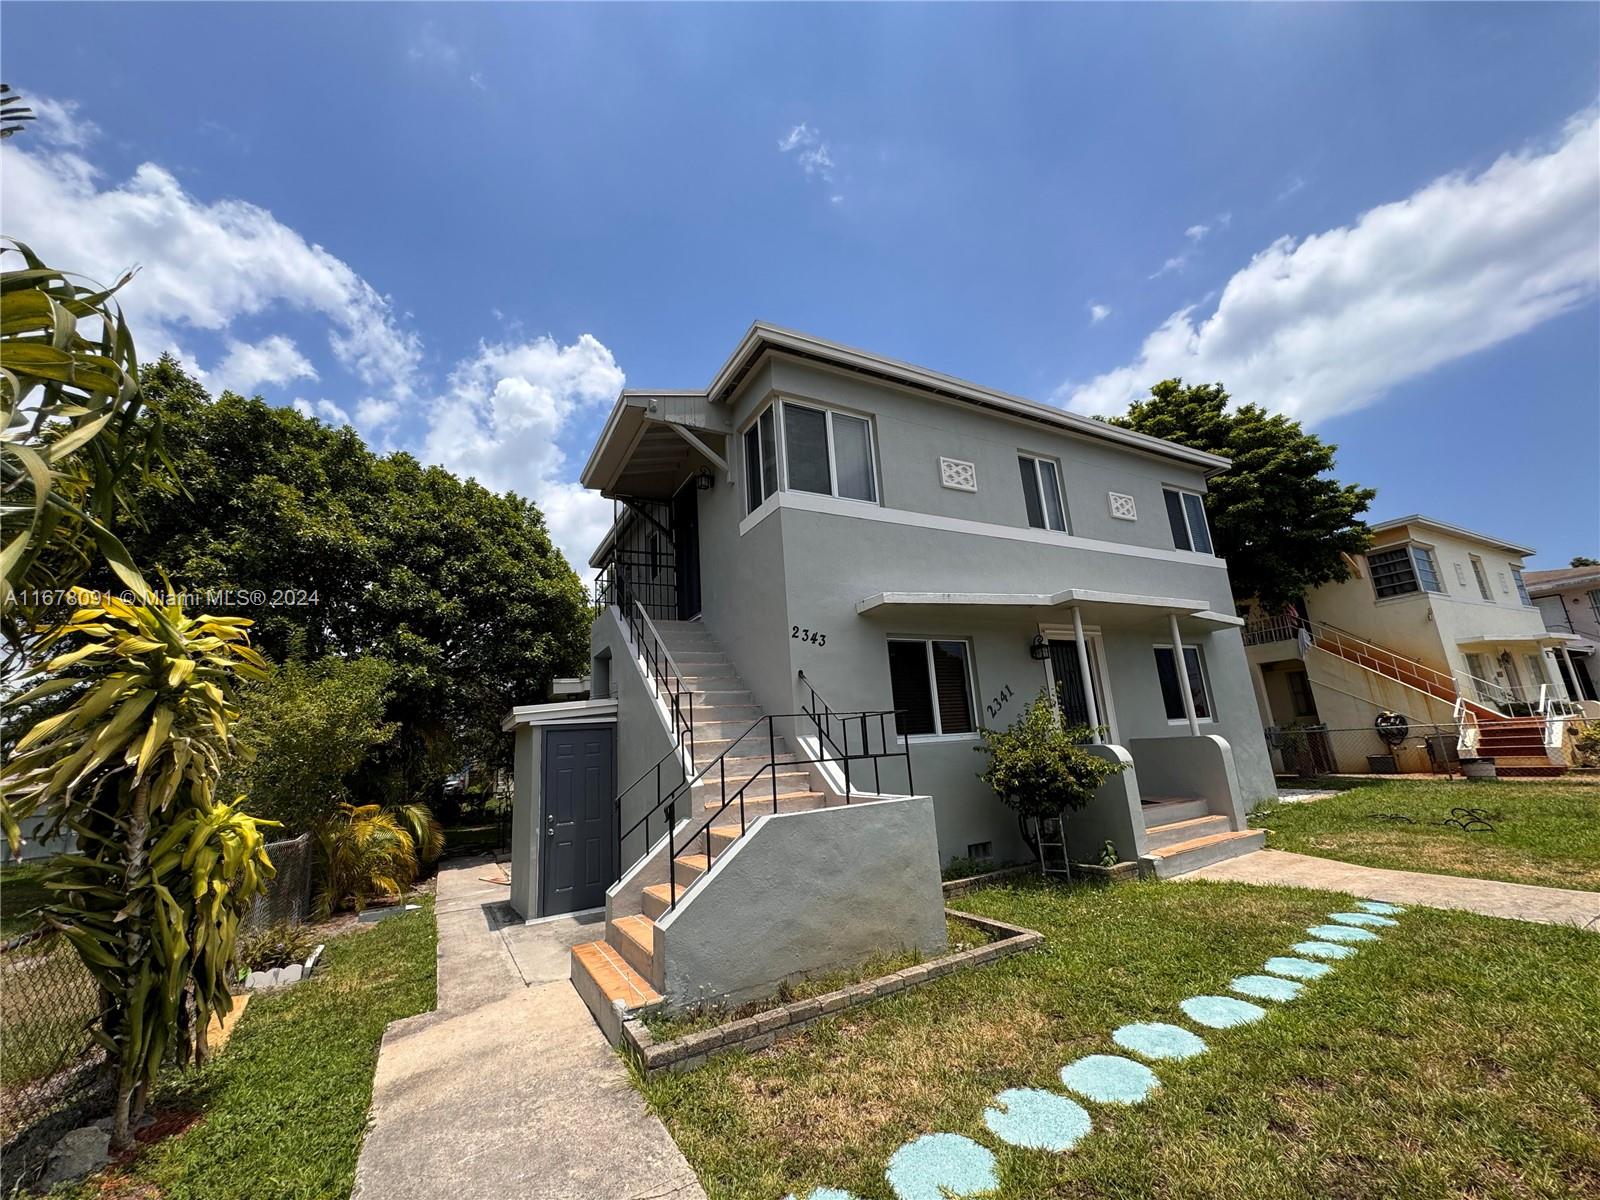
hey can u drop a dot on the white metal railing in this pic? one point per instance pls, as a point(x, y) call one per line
point(1284, 628)
point(1382, 660)
point(1466, 729)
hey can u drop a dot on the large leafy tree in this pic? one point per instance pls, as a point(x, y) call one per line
point(332, 549)
point(1278, 515)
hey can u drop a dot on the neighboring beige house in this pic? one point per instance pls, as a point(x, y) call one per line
point(1569, 601)
point(1436, 623)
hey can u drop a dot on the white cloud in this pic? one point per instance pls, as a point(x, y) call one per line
point(813, 156)
point(500, 419)
point(1176, 263)
point(1293, 185)
point(1195, 232)
point(245, 367)
point(57, 121)
point(1327, 324)
point(202, 265)
point(325, 410)
point(1098, 313)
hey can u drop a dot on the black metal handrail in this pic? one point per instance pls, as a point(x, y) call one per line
point(825, 719)
point(617, 586)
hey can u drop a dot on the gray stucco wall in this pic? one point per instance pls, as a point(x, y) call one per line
point(1198, 767)
point(1112, 816)
point(806, 892)
point(527, 774)
point(642, 734)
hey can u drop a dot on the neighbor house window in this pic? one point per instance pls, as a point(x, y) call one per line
point(1522, 588)
point(1041, 493)
point(1402, 570)
point(931, 685)
point(760, 460)
point(1483, 579)
point(1186, 513)
point(1594, 604)
point(1172, 689)
point(829, 453)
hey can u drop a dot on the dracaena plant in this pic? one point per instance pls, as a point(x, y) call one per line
point(151, 902)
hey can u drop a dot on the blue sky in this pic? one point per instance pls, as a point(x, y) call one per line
point(463, 227)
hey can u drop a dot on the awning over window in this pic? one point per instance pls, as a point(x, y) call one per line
point(1107, 609)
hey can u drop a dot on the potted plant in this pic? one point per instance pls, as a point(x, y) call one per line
point(1109, 869)
point(1040, 770)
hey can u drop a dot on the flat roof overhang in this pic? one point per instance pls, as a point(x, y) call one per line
point(1109, 609)
point(1520, 639)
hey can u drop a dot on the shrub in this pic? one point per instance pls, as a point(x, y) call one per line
point(279, 946)
point(370, 853)
point(1038, 767)
point(1587, 745)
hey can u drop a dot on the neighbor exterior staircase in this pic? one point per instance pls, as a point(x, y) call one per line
point(1182, 834)
point(733, 746)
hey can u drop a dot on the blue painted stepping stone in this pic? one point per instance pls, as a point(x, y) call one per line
point(1035, 1119)
point(1323, 949)
point(1152, 1039)
point(824, 1193)
point(1267, 987)
point(1221, 1012)
point(1110, 1079)
point(934, 1164)
point(1298, 968)
point(1342, 933)
point(1361, 918)
point(1379, 906)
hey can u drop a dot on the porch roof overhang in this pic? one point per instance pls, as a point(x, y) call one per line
point(566, 712)
point(1547, 638)
point(653, 441)
point(1104, 608)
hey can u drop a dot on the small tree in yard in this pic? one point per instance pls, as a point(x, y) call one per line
point(1038, 767)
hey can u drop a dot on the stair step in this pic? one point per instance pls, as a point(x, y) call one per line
point(635, 938)
point(1164, 810)
point(758, 801)
point(657, 899)
point(1176, 832)
point(1203, 851)
point(690, 868)
point(700, 658)
point(602, 976)
point(735, 694)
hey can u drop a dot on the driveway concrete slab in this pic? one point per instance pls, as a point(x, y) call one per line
point(509, 1089)
point(1491, 898)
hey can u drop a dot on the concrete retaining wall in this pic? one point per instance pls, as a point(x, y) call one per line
point(1190, 766)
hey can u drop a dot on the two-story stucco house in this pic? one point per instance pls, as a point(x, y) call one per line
point(1569, 602)
point(829, 569)
point(1434, 622)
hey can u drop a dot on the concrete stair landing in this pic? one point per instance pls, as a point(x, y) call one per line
point(1182, 834)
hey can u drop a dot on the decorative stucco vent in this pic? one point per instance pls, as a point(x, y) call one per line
point(957, 475)
point(1123, 507)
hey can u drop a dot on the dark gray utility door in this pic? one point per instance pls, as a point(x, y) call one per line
point(576, 862)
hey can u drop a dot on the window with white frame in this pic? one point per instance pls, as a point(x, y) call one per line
point(1172, 689)
point(1594, 604)
point(828, 452)
point(1041, 492)
point(1483, 579)
point(931, 682)
point(1186, 513)
point(1522, 588)
point(1402, 570)
point(761, 460)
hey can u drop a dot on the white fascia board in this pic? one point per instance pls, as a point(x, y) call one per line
point(1493, 543)
point(1072, 596)
point(554, 714)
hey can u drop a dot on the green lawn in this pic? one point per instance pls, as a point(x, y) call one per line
point(283, 1107)
point(1546, 834)
point(21, 891)
point(1454, 1058)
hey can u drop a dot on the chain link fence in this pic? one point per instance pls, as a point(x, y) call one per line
point(1315, 750)
point(288, 898)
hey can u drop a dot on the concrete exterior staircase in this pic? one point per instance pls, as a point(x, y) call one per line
point(732, 749)
point(1182, 834)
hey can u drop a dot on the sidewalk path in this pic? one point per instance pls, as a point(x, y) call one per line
point(507, 1088)
point(1516, 901)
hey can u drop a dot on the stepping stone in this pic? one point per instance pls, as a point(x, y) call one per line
point(1267, 987)
point(1342, 933)
point(1323, 949)
point(1379, 906)
point(1037, 1120)
point(1152, 1039)
point(1221, 1012)
point(935, 1164)
point(1299, 968)
point(1110, 1079)
point(1361, 918)
point(824, 1193)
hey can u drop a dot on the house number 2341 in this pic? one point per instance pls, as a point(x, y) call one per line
point(808, 635)
point(994, 706)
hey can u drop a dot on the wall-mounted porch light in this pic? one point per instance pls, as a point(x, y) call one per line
point(704, 481)
point(1040, 649)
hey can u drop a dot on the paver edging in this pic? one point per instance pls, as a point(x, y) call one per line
point(757, 1032)
point(959, 887)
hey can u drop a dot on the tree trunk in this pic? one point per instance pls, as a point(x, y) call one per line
point(1027, 835)
point(129, 1073)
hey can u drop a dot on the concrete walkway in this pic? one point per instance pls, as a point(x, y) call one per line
point(1515, 901)
point(507, 1088)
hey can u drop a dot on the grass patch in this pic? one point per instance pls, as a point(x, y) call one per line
point(1543, 834)
point(283, 1106)
point(664, 1027)
point(21, 893)
point(1453, 1058)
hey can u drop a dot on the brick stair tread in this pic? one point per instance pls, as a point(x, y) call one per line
point(1188, 823)
point(766, 798)
point(638, 929)
point(1199, 843)
point(663, 891)
point(613, 976)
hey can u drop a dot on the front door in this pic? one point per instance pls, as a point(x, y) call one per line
point(686, 542)
point(576, 863)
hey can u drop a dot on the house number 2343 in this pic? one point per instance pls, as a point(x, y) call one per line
point(808, 635)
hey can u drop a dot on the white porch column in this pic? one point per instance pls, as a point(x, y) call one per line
point(1182, 666)
point(1572, 674)
point(1083, 669)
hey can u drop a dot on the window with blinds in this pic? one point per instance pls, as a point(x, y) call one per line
point(1407, 569)
point(931, 684)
